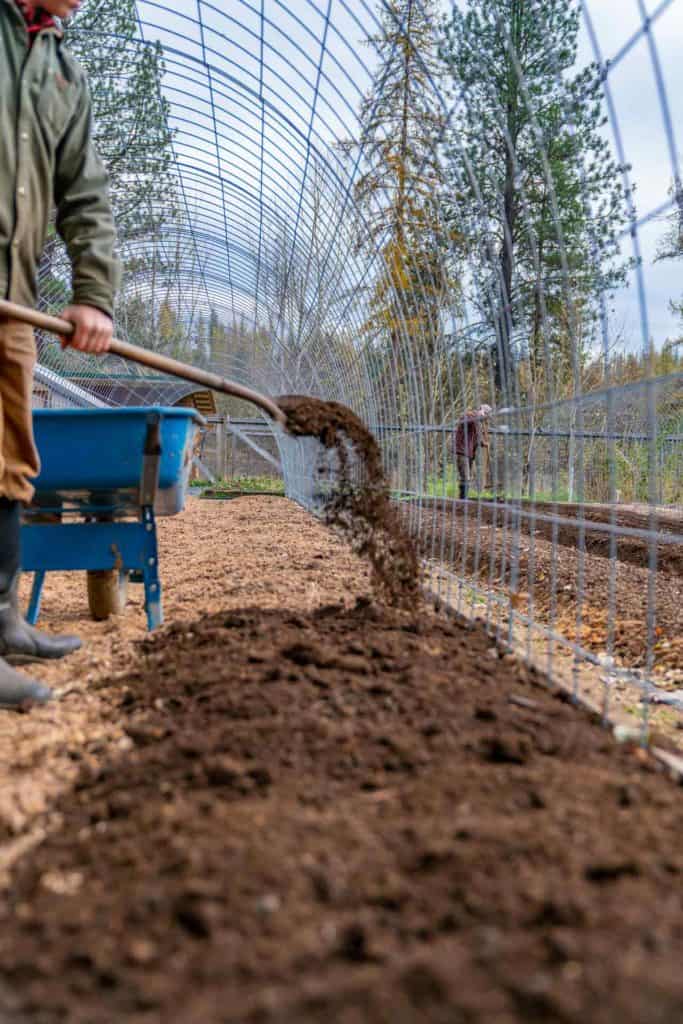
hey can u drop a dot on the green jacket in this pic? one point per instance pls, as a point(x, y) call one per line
point(47, 156)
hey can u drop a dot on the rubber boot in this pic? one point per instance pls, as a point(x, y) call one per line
point(16, 689)
point(21, 643)
point(463, 489)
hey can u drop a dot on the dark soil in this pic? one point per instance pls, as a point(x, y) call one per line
point(627, 548)
point(358, 504)
point(351, 816)
point(565, 580)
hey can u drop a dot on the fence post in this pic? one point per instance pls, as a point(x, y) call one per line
point(220, 448)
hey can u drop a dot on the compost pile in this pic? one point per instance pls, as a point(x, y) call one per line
point(359, 508)
point(351, 815)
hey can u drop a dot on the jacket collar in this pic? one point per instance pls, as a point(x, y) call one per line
point(54, 29)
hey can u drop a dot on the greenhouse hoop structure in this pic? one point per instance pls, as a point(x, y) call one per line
point(330, 198)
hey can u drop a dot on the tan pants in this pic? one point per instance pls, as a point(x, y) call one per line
point(19, 460)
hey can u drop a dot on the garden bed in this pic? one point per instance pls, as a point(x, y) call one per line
point(217, 493)
point(304, 807)
point(568, 581)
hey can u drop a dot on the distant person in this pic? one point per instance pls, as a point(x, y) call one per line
point(46, 157)
point(471, 433)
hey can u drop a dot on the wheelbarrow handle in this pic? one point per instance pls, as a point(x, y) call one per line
point(146, 357)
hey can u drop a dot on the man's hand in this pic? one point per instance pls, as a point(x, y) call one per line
point(93, 329)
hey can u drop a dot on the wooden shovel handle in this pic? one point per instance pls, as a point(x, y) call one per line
point(146, 357)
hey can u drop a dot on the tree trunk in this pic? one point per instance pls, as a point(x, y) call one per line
point(537, 320)
point(403, 158)
point(503, 362)
point(503, 355)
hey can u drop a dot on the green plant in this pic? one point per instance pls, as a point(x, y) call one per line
point(245, 484)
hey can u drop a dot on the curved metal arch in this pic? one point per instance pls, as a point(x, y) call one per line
point(233, 204)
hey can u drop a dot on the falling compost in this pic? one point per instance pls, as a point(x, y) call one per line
point(359, 503)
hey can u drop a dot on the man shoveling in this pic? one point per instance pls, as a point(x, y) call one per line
point(46, 156)
point(471, 433)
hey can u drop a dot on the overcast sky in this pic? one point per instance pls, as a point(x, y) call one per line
point(640, 120)
point(295, 30)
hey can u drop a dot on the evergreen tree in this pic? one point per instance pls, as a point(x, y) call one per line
point(399, 188)
point(132, 132)
point(133, 137)
point(671, 245)
point(538, 195)
point(171, 334)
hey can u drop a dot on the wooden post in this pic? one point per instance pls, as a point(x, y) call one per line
point(220, 448)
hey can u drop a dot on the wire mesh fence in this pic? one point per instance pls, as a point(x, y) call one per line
point(420, 211)
point(244, 449)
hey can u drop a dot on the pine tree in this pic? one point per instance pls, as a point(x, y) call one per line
point(398, 190)
point(132, 135)
point(132, 132)
point(671, 244)
point(537, 193)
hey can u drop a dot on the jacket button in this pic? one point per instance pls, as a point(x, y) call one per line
point(24, 136)
point(21, 191)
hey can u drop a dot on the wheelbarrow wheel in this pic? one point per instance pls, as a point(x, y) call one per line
point(107, 592)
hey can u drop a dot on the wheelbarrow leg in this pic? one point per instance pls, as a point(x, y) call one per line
point(148, 491)
point(150, 570)
point(36, 593)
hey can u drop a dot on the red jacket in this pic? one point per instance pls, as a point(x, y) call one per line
point(470, 433)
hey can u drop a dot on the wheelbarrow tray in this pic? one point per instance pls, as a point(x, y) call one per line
point(105, 474)
point(95, 453)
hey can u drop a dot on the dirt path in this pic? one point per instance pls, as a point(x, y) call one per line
point(307, 808)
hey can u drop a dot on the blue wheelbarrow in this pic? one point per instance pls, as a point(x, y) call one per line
point(106, 474)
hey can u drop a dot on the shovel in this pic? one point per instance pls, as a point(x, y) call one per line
point(144, 356)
